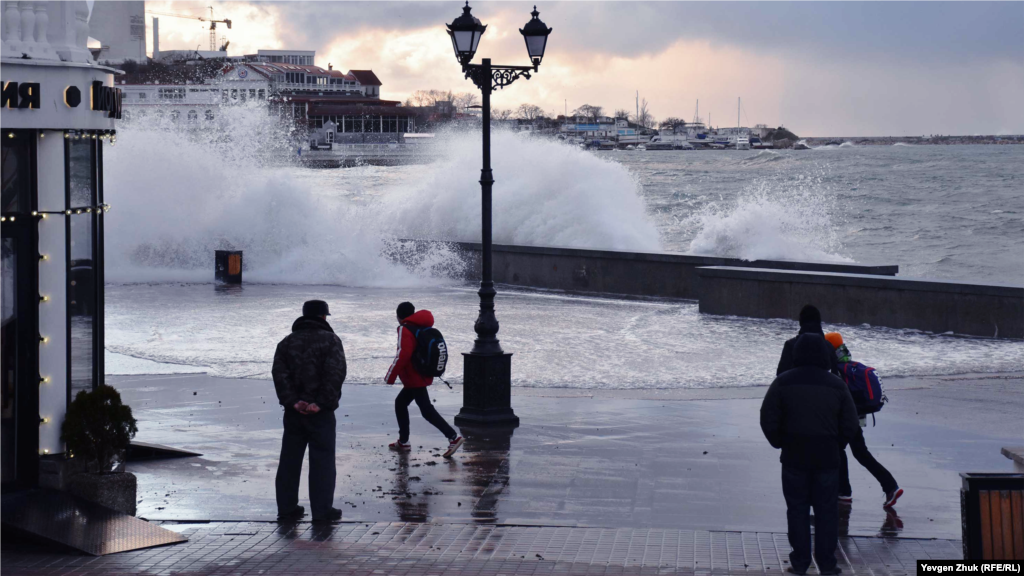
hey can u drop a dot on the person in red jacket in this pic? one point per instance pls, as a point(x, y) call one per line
point(414, 384)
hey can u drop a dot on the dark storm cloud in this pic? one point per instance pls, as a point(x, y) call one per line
point(953, 32)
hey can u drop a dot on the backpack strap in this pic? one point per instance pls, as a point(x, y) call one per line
point(867, 382)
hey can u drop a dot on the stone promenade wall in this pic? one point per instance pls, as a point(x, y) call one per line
point(626, 273)
point(930, 305)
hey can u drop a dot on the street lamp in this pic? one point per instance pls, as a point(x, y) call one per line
point(487, 377)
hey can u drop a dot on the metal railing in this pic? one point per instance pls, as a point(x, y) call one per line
point(318, 87)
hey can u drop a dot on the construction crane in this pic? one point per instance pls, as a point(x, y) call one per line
point(213, 23)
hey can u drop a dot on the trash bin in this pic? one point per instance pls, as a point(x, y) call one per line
point(228, 266)
point(992, 516)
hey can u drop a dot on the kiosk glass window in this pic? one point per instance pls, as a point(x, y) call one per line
point(14, 172)
point(82, 262)
point(9, 341)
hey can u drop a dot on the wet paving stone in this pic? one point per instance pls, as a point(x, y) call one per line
point(693, 460)
point(401, 548)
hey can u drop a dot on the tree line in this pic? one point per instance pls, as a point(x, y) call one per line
point(458, 101)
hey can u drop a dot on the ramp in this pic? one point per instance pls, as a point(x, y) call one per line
point(138, 451)
point(85, 526)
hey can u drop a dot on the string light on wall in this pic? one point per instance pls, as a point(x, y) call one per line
point(87, 134)
point(41, 214)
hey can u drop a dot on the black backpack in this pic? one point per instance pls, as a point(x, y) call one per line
point(431, 355)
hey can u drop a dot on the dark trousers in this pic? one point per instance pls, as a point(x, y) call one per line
point(422, 399)
point(319, 432)
point(860, 452)
point(803, 490)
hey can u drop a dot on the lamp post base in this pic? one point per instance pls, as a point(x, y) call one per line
point(487, 392)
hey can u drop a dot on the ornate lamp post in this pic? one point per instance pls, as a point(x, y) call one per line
point(487, 390)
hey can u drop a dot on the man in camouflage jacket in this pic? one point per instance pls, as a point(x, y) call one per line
point(309, 369)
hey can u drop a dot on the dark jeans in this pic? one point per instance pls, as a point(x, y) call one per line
point(319, 432)
point(803, 490)
point(422, 399)
point(860, 452)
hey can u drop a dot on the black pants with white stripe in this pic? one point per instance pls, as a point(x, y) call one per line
point(860, 451)
point(422, 398)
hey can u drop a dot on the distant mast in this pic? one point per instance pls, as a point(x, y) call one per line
point(637, 116)
point(738, 100)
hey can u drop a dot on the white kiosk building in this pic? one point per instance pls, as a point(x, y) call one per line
point(59, 113)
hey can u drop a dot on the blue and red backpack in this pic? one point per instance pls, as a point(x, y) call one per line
point(865, 387)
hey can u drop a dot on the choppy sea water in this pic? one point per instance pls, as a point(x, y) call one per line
point(954, 212)
point(942, 212)
point(557, 340)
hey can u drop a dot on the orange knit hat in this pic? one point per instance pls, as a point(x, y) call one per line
point(835, 339)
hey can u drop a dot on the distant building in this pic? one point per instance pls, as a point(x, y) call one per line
point(299, 57)
point(307, 94)
point(120, 28)
point(603, 127)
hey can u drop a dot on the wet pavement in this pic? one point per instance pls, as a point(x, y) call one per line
point(399, 548)
point(642, 460)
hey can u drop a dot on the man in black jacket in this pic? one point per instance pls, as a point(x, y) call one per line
point(810, 323)
point(810, 415)
point(309, 369)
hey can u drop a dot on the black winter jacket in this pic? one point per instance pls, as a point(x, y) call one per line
point(786, 361)
point(309, 365)
point(808, 412)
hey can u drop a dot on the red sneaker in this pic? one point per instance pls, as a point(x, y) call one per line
point(399, 446)
point(892, 497)
point(454, 446)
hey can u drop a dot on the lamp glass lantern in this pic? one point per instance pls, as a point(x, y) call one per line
point(536, 35)
point(465, 32)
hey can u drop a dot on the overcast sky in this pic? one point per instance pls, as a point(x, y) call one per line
point(819, 68)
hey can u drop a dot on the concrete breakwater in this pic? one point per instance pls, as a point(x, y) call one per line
point(845, 293)
point(664, 275)
point(930, 305)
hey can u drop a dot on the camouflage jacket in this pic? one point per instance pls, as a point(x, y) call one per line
point(309, 365)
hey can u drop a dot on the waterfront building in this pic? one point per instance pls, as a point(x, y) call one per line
point(601, 127)
point(59, 115)
point(285, 81)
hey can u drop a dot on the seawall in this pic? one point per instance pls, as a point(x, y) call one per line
point(625, 273)
point(929, 305)
point(845, 293)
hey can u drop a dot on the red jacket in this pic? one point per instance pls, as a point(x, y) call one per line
point(402, 368)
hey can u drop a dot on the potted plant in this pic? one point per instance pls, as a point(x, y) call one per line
point(97, 429)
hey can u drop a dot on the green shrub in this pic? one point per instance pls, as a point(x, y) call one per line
point(98, 426)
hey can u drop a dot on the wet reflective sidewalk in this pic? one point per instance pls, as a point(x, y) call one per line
point(693, 460)
point(458, 549)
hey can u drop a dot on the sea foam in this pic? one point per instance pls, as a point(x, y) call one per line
point(771, 220)
point(180, 195)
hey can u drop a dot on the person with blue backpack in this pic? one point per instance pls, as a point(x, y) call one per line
point(869, 397)
point(421, 356)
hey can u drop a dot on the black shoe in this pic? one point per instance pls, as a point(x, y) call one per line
point(832, 572)
point(792, 570)
point(333, 516)
point(294, 514)
point(892, 497)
